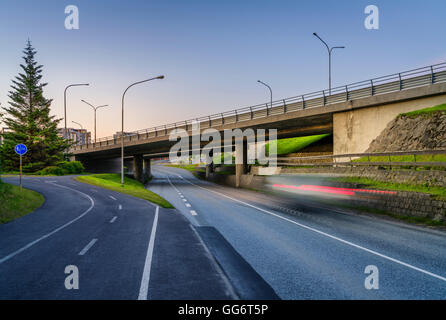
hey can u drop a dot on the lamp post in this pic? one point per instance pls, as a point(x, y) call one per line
point(329, 58)
point(270, 91)
point(95, 109)
point(78, 124)
point(78, 134)
point(122, 123)
point(65, 102)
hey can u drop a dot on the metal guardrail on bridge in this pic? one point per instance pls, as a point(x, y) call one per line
point(392, 83)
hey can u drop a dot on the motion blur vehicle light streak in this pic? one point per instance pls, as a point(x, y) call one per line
point(350, 189)
point(333, 190)
point(310, 188)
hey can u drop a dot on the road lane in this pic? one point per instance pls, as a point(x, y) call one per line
point(113, 254)
point(300, 263)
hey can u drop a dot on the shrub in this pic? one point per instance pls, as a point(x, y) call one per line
point(33, 167)
point(63, 167)
point(71, 167)
point(52, 170)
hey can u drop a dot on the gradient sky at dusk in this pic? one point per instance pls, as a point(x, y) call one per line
point(211, 52)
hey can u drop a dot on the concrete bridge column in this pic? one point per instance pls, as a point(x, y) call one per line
point(147, 170)
point(138, 168)
point(210, 164)
point(241, 161)
point(209, 169)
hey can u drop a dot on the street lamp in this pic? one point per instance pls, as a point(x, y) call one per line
point(329, 58)
point(122, 123)
point(82, 128)
point(270, 91)
point(95, 109)
point(65, 102)
point(78, 135)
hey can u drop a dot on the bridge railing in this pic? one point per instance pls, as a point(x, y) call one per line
point(366, 159)
point(391, 83)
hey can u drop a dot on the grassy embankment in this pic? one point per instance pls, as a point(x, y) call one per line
point(131, 187)
point(426, 112)
point(292, 145)
point(15, 203)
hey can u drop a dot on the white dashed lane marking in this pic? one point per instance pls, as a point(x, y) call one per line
point(113, 198)
point(187, 205)
point(87, 247)
point(113, 219)
point(120, 207)
point(193, 212)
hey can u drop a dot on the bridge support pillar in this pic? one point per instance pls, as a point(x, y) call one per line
point(241, 161)
point(138, 168)
point(147, 170)
point(210, 164)
point(209, 169)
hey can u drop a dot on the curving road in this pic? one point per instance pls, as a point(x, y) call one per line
point(315, 253)
point(123, 248)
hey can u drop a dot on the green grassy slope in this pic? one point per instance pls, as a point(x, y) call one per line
point(112, 181)
point(425, 112)
point(15, 203)
point(291, 145)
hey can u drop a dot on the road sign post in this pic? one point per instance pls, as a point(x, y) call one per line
point(20, 149)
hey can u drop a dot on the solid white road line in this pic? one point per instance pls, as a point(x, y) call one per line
point(326, 234)
point(87, 247)
point(144, 288)
point(55, 230)
point(113, 219)
point(120, 207)
point(113, 198)
point(193, 212)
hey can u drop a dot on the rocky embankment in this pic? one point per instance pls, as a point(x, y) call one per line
point(422, 132)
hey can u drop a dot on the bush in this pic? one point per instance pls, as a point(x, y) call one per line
point(33, 167)
point(71, 167)
point(63, 167)
point(52, 170)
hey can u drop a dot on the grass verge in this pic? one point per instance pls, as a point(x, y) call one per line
point(438, 192)
point(15, 203)
point(424, 112)
point(112, 181)
point(291, 145)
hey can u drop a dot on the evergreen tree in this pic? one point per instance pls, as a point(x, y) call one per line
point(29, 122)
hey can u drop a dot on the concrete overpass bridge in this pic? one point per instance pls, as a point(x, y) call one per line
point(355, 114)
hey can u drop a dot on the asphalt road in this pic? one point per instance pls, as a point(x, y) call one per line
point(305, 251)
point(122, 247)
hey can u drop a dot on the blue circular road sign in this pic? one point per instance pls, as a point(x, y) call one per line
point(21, 149)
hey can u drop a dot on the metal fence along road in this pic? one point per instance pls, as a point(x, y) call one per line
point(392, 83)
point(385, 159)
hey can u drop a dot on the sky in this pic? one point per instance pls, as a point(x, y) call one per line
point(211, 52)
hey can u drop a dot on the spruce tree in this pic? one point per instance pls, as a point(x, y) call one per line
point(29, 121)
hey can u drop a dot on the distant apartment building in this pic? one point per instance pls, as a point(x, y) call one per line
point(3, 130)
point(78, 136)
